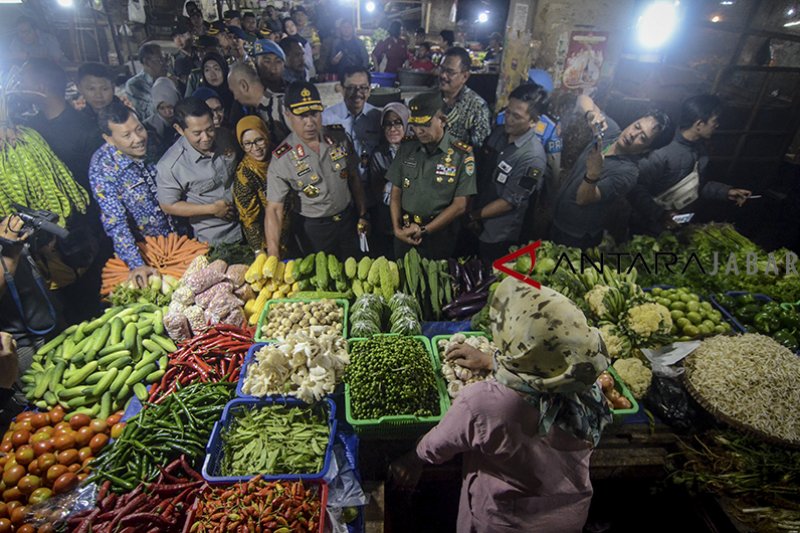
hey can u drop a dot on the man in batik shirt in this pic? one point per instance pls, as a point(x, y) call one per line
point(124, 186)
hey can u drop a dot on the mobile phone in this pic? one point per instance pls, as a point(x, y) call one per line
point(597, 131)
point(684, 218)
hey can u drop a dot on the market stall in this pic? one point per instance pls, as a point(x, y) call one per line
point(274, 394)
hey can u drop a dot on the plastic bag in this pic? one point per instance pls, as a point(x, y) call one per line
point(235, 274)
point(203, 279)
point(61, 506)
point(177, 326)
point(220, 289)
point(344, 487)
point(136, 12)
point(670, 402)
point(218, 265)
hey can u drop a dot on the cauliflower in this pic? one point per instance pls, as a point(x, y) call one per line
point(595, 298)
point(649, 320)
point(635, 375)
point(617, 344)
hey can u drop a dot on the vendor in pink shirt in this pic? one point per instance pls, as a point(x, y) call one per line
point(528, 434)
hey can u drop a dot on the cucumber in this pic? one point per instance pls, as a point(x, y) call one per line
point(129, 336)
point(124, 393)
point(52, 344)
point(149, 357)
point(163, 362)
point(115, 336)
point(105, 383)
point(110, 358)
point(141, 392)
point(152, 377)
point(56, 377)
point(68, 394)
point(153, 347)
point(105, 406)
point(70, 349)
point(80, 375)
point(50, 398)
point(140, 374)
point(165, 343)
point(80, 401)
point(111, 349)
point(119, 381)
point(120, 363)
point(94, 378)
point(42, 385)
point(158, 322)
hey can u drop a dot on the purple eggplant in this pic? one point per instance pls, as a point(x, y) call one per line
point(466, 310)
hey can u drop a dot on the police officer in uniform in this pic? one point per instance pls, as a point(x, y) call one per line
point(511, 164)
point(432, 177)
point(320, 166)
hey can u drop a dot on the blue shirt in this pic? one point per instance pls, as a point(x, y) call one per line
point(125, 190)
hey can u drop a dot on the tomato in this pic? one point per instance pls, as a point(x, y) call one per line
point(97, 442)
point(99, 426)
point(33, 468)
point(64, 441)
point(54, 472)
point(83, 436)
point(39, 495)
point(12, 476)
point(42, 447)
point(42, 434)
point(5, 525)
point(6, 447)
point(65, 483)
point(24, 455)
point(18, 515)
point(29, 483)
point(74, 467)
point(45, 461)
point(114, 419)
point(85, 453)
point(13, 497)
point(24, 425)
point(82, 476)
point(62, 426)
point(20, 437)
point(79, 420)
point(26, 528)
point(11, 460)
point(3, 510)
point(56, 414)
point(40, 420)
point(116, 430)
point(68, 457)
point(86, 462)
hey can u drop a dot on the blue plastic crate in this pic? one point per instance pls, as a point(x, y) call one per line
point(249, 358)
point(214, 447)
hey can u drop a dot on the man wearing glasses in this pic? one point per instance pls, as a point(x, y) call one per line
point(361, 120)
point(138, 87)
point(467, 113)
point(432, 177)
point(318, 165)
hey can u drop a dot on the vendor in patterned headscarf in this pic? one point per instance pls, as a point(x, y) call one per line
point(526, 435)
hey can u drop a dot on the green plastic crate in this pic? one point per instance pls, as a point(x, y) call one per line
point(344, 304)
point(619, 414)
point(435, 349)
point(399, 426)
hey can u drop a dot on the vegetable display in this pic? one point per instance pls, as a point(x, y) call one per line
point(43, 455)
point(158, 292)
point(307, 364)
point(391, 375)
point(751, 381)
point(180, 424)
point(208, 293)
point(271, 279)
point(691, 317)
point(214, 356)
point(284, 318)
point(93, 367)
point(457, 376)
point(762, 315)
point(259, 505)
point(161, 506)
point(371, 315)
point(635, 375)
point(367, 315)
point(170, 255)
point(612, 394)
point(34, 177)
point(428, 281)
point(274, 440)
point(472, 281)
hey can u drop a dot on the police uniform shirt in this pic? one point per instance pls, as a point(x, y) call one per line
point(320, 180)
point(511, 171)
point(431, 179)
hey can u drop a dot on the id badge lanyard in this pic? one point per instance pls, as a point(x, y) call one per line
point(37, 278)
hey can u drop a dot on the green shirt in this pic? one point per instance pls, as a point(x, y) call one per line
point(431, 178)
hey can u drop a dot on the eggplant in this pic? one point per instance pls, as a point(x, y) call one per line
point(486, 283)
point(466, 310)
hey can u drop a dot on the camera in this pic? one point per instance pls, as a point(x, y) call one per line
point(40, 224)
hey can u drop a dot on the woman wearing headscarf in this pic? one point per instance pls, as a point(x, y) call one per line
point(215, 77)
point(394, 123)
point(250, 186)
point(528, 434)
point(290, 29)
point(159, 126)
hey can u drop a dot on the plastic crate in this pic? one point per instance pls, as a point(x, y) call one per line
point(249, 358)
point(214, 450)
point(729, 315)
point(400, 426)
point(435, 346)
point(619, 414)
point(323, 488)
point(342, 303)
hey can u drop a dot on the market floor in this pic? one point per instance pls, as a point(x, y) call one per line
point(618, 506)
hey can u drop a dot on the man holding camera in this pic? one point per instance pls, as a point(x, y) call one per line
point(124, 186)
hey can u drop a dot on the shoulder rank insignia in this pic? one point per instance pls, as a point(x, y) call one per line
point(469, 165)
point(464, 147)
point(335, 127)
point(280, 150)
point(409, 138)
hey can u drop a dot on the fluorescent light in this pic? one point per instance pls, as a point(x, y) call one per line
point(370, 6)
point(483, 17)
point(10, 1)
point(656, 24)
point(716, 18)
point(792, 23)
point(790, 12)
point(65, 3)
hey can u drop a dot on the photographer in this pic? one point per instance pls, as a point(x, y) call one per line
point(27, 312)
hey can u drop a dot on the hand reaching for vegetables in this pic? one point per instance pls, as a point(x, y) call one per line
point(469, 357)
point(140, 275)
point(406, 471)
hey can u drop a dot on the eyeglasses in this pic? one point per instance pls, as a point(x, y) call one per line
point(393, 124)
point(450, 72)
point(356, 88)
point(261, 143)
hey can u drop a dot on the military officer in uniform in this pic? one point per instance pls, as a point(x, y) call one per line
point(321, 167)
point(432, 177)
point(511, 164)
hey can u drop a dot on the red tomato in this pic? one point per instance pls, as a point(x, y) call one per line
point(65, 483)
point(97, 442)
point(5, 525)
point(68, 457)
point(79, 420)
point(12, 476)
point(45, 461)
point(83, 436)
point(42, 447)
point(20, 437)
point(24, 455)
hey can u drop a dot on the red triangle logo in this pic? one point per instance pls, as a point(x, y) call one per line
point(500, 264)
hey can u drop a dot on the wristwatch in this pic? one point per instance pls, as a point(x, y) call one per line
point(590, 181)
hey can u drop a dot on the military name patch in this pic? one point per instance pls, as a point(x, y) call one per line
point(469, 165)
point(410, 163)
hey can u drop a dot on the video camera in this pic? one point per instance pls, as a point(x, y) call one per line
point(36, 221)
